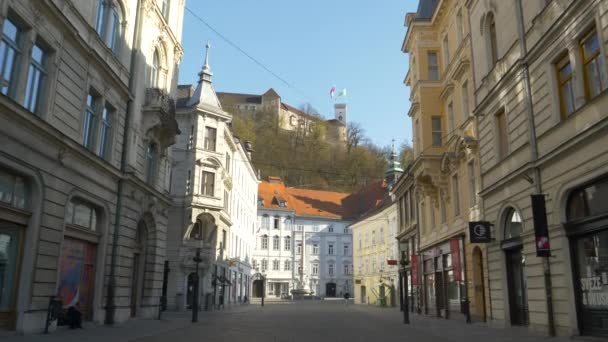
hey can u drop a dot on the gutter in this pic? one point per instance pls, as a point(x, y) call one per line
point(111, 294)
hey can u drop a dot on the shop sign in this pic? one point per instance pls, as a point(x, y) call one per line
point(594, 291)
point(480, 232)
point(541, 229)
point(391, 262)
point(414, 270)
point(456, 264)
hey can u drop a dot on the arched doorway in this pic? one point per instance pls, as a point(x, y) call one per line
point(479, 311)
point(512, 246)
point(258, 288)
point(190, 289)
point(330, 289)
point(363, 295)
point(139, 267)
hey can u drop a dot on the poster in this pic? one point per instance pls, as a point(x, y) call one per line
point(77, 274)
point(456, 262)
point(414, 270)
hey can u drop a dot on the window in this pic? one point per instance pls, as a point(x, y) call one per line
point(300, 227)
point(459, 26)
point(472, 184)
point(436, 130)
point(315, 269)
point(275, 265)
point(108, 24)
point(300, 268)
point(451, 125)
point(226, 202)
point(593, 64)
point(287, 243)
point(155, 71)
point(299, 248)
point(151, 163)
point(264, 242)
point(227, 166)
point(287, 223)
point(287, 265)
point(345, 230)
point(456, 195)
point(164, 9)
point(188, 182)
point(90, 118)
point(465, 100)
point(275, 222)
point(446, 52)
point(81, 214)
point(381, 237)
point(12, 190)
point(346, 269)
point(433, 66)
point(330, 249)
point(502, 133)
point(380, 263)
point(264, 265)
point(224, 239)
point(208, 184)
point(360, 243)
point(315, 228)
point(265, 221)
point(275, 243)
point(373, 265)
point(105, 132)
point(315, 249)
point(373, 238)
point(513, 224)
point(330, 269)
point(210, 136)
point(492, 44)
point(254, 264)
point(566, 86)
point(9, 52)
point(35, 78)
point(347, 250)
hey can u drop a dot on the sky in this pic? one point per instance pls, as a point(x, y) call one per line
point(311, 44)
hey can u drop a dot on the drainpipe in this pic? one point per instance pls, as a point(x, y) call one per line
point(534, 152)
point(111, 294)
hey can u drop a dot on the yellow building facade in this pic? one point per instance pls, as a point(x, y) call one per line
point(440, 197)
point(376, 281)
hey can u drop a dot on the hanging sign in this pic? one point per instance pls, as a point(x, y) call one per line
point(414, 269)
point(541, 229)
point(480, 232)
point(456, 264)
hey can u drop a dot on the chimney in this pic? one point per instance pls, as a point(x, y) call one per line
point(249, 148)
point(274, 180)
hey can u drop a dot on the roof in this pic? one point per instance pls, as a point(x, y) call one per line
point(328, 204)
point(236, 98)
point(426, 9)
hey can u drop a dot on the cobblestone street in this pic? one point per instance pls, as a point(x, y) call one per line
point(291, 321)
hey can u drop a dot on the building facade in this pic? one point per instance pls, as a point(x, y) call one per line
point(214, 188)
point(303, 241)
point(541, 106)
point(445, 171)
point(87, 116)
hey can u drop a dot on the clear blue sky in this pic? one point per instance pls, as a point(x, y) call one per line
point(313, 44)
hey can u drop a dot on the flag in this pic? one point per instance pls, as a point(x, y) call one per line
point(342, 93)
point(332, 92)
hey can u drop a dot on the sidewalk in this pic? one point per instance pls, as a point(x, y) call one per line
point(130, 330)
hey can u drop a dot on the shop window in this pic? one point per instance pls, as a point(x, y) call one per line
point(81, 214)
point(12, 190)
point(513, 224)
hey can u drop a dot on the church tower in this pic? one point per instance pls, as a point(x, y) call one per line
point(394, 170)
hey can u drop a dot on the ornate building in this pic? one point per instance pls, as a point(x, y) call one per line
point(214, 188)
point(87, 117)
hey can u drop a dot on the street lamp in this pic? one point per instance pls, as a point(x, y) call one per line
point(197, 259)
point(263, 276)
point(405, 263)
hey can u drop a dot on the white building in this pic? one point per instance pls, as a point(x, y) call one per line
point(214, 188)
point(303, 242)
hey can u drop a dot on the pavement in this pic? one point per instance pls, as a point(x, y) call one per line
point(278, 321)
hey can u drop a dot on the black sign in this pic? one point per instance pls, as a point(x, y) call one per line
point(541, 229)
point(480, 232)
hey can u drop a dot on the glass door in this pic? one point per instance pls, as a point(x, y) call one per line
point(9, 270)
point(518, 301)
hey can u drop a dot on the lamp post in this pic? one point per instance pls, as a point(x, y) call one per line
point(197, 259)
point(263, 276)
point(406, 312)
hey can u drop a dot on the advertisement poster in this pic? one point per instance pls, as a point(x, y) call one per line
point(456, 263)
point(414, 270)
point(77, 274)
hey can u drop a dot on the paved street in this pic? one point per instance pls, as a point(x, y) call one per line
point(286, 321)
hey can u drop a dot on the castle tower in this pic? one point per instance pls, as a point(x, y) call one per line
point(340, 110)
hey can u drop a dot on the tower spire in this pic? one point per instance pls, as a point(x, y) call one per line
point(394, 170)
point(206, 74)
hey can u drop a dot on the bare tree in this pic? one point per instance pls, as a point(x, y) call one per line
point(354, 136)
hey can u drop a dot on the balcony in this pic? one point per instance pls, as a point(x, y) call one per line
point(159, 117)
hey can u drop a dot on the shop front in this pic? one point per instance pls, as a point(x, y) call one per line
point(587, 229)
point(443, 282)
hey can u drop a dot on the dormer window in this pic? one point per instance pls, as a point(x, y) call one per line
point(282, 204)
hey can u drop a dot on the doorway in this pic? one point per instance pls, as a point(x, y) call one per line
point(363, 295)
point(330, 290)
point(479, 304)
point(258, 288)
point(190, 290)
point(10, 250)
point(139, 267)
point(516, 282)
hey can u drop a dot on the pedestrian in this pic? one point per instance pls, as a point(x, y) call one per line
point(346, 296)
point(74, 317)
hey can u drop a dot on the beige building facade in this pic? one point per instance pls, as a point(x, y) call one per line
point(540, 81)
point(86, 119)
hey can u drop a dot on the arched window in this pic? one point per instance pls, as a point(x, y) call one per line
point(155, 71)
point(491, 40)
point(151, 163)
point(109, 23)
point(513, 224)
point(588, 201)
point(82, 214)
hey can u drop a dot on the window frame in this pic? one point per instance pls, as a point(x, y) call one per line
point(207, 188)
point(502, 130)
point(597, 59)
point(38, 68)
point(210, 144)
point(105, 131)
point(432, 67)
point(561, 63)
point(14, 45)
point(434, 132)
point(152, 163)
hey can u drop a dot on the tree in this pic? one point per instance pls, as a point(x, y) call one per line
point(406, 155)
point(354, 136)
